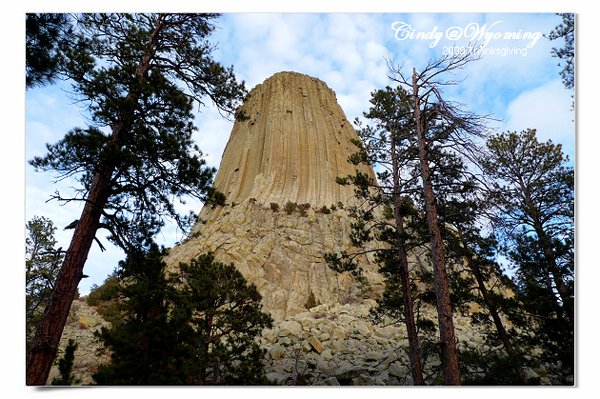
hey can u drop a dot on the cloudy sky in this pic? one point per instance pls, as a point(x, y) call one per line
point(517, 81)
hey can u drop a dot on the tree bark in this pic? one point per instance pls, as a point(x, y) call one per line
point(47, 338)
point(45, 344)
point(567, 301)
point(502, 333)
point(449, 355)
point(414, 353)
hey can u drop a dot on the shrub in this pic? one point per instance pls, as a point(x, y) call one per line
point(65, 366)
point(107, 291)
point(303, 208)
point(325, 210)
point(290, 207)
point(274, 207)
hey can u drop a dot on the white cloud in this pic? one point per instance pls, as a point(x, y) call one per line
point(547, 109)
point(346, 51)
point(212, 135)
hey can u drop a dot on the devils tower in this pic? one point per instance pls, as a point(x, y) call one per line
point(283, 212)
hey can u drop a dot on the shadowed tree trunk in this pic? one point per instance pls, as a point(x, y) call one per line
point(414, 354)
point(47, 338)
point(449, 355)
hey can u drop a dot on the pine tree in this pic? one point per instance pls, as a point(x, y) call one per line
point(532, 190)
point(139, 76)
point(42, 263)
point(47, 35)
point(565, 30)
point(385, 145)
point(484, 283)
point(65, 366)
point(225, 316)
point(433, 115)
point(144, 342)
point(197, 327)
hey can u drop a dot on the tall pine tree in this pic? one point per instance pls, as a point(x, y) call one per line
point(139, 76)
point(432, 114)
point(196, 328)
point(385, 144)
point(532, 189)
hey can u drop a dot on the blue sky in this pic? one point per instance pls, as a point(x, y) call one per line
point(517, 82)
point(523, 92)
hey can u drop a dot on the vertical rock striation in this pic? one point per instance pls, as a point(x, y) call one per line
point(293, 145)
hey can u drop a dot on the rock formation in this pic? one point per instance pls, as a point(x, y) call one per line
point(283, 211)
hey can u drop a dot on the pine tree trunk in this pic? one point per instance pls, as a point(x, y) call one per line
point(45, 343)
point(414, 353)
point(449, 355)
point(559, 283)
point(47, 338)
point(500, 329)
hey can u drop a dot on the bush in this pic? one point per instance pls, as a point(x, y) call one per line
point(303, 208)
point(290, 207)
point(274, 207)
point(105, 299)
point(325, 210)
point(107, 291)
point(65, 366)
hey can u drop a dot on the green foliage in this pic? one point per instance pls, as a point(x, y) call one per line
point(46, 38)
point(105, 299)
point(343, 262)
point(491, 368)
point(144, 345)
point(324, 210)
point(532, 192)
point(65, 366)
point(289, 207)
point(138, 77)
point(565, 30)
point(303, 208)
point(143, 85)
point(198, 327)
point(226, 318)
point(107, 291)
point(42, 264)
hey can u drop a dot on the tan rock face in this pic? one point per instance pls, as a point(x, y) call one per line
point(295, 143)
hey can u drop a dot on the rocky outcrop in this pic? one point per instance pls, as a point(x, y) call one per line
point(283, 213)
point(325, 345)
point(283, 255)
point(339, 345)
point(83, 322)
point(293, 145)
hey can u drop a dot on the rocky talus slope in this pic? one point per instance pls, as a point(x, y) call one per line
point(324, 345)
point(83, 322)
